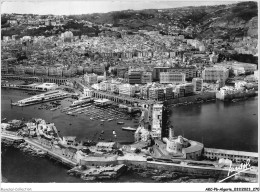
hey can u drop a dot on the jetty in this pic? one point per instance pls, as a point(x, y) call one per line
point(44, 97)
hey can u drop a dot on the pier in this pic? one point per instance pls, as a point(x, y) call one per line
point(51, 154)
point(44, 97)
point(12, 137)
point(8, 135)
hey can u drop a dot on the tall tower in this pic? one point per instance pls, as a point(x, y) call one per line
point(157, 116)
point(171, 134)
point(105, 75)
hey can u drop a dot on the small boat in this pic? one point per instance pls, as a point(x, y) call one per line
point(129, 129)
point(102, 120)
point(110, 119)
point(120, 123)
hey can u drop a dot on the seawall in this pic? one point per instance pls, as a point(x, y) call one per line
point(193, 98)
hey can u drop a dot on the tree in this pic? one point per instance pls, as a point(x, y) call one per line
point(137, 150)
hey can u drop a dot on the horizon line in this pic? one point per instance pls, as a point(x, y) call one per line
point(32, 6)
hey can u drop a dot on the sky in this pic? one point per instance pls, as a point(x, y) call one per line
point(72, 7)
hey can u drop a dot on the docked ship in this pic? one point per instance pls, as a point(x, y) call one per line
point(82, 101)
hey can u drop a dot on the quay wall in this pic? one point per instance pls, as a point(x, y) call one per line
point(131, 163)
point(193, 98)
point(98, 163)
point(250, 93)
point(54, 154)
point(69, 159)
point(49, 151)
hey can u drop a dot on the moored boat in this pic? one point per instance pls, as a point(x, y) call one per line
point(129, 129)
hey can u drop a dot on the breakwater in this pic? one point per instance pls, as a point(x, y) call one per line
point(10, 137)
point(137, 162)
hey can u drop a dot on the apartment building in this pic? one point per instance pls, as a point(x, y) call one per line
point(168, 94)
point(172, 77)
point(213, 74)
point(126, 89)
point(91, 78)
point(190, 72)
point(197, 84)
point(105, 86)
point(187, 87)
point(135, 77)
point(156, 93)
point(146, 77)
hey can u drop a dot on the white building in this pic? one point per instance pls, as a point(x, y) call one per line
point(47, 86)
point(87, 92)
point(248, 67)
point(256, 75)
point(114, 87)
point(202, 48)
point(6, 38)
point(171, 77)
point(91, 78)
point(146, 77)
point(187, 87)
point(105, 86)
point(197, 84)
point(212, 74)
point(96, 86)
point(67, 36)
point(213, 58)
point(237, 70)
point(226, 91)
point(240, 84)
point(127, 89)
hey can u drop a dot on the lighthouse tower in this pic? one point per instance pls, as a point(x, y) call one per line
point(171, 134)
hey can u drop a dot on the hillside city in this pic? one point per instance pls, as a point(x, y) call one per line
point(153, 64)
